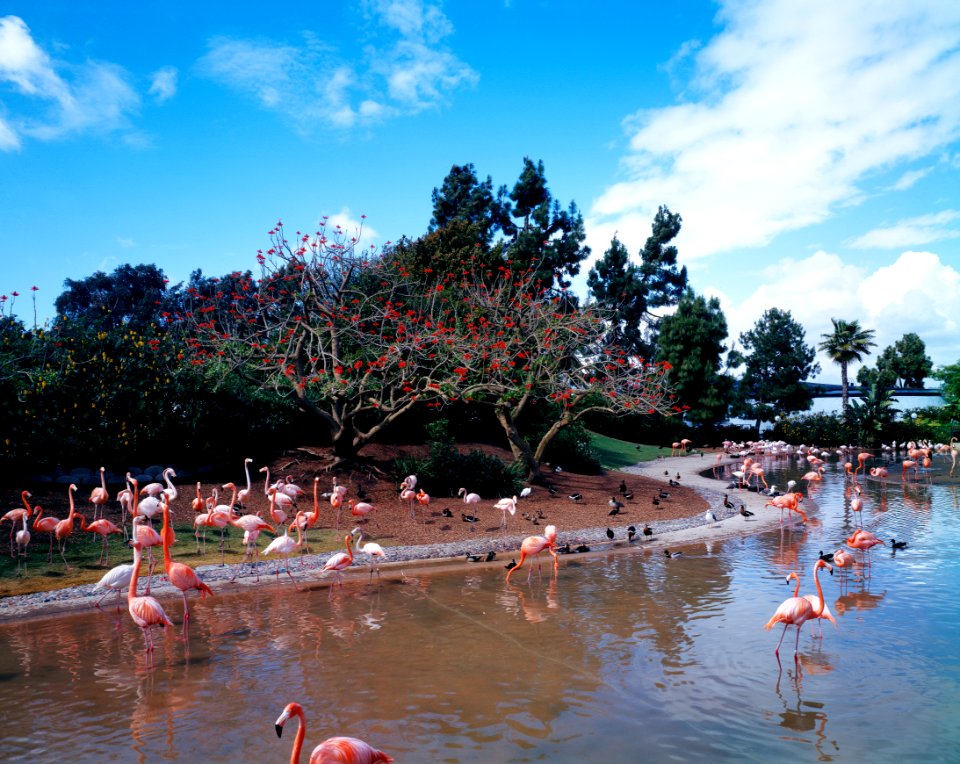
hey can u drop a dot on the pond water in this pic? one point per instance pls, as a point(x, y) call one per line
point(627, 656)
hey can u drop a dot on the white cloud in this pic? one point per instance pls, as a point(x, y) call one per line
point(917, 292)
point(92, 97)
point(911, 232)
point(405, 68)
point(164, 84)
point(797, 111)
point(910, 178)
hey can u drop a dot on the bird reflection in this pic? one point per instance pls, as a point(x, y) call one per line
point(806, 716)
point(533, 607)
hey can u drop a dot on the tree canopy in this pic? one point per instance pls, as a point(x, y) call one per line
point(847, 342)
point(777, 362)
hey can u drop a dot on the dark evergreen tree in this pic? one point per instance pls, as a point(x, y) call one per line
point(130, 296)
point(691, 340)
point(777, 362)
point(631, 292)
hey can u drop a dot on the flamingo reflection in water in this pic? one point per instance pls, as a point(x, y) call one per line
point(334, 750)
point(796, 611)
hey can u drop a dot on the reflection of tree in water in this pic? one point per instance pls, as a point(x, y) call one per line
point(806, 716)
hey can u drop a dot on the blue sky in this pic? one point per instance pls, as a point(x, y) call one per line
point(812, 148)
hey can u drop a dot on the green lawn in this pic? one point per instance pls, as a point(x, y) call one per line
point(616, 454)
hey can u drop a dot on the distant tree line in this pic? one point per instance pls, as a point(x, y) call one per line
point(322, 341)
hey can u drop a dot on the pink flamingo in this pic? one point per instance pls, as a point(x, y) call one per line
point(284, 546)
point(856, 503)
point(103, 528)
point(99, 496)
point(533, 545)
point(360, 508)
point(198, 504)
point(284, 501)
point(182, 576)
point(881, 473)
point(864, 541)
point(862, 460)
point(409, 496)
point(796, 611)
point(843, 561)
point(251, 525)
point(814, 476)
point(336, 501)
point(423, 498)
point(145, 611)
point(340, 561)
point(46, 525)
point(17, 515)
point(64, 528)
point(148, 538)
point(909, 464)
point(334, 750)
point(812, 599)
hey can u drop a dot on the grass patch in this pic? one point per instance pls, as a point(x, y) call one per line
point(616, 454)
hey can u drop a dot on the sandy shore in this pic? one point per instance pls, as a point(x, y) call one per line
point(405, 560)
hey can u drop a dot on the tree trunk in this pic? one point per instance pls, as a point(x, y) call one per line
point(519, 447)
point(843, 387)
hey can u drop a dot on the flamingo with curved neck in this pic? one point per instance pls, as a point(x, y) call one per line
point(796, 611)
point(145, 611)
point(334, 750)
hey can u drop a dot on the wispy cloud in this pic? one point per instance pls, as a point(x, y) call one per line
point(50, 99)
point(405, 68)
point(796, 110)
point(911, 232)
point(163, 86)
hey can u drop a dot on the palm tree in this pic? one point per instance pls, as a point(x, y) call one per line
point(848, 342)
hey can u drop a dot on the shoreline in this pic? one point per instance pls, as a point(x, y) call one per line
point(447, 555)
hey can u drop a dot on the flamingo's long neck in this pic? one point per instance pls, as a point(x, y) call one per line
point(137, 556)
point(795, 577)
point(316, 501)
point(266, 482)
point(817, 611)
point(359, 539)
point(23, 498)
point(246, 471)
point(346, 542)
point(103, 479)
point(73, 510)
point(165, 534)
point(298, 740)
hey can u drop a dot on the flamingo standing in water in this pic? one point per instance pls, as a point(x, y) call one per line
point(812, 599)
point(182, 576)
point(856, 504)
point(99, 496)
point(340, 561)
point(145, 611)
point(374, 550)
point(334, 750)
point(796, 611)
point(533, 545)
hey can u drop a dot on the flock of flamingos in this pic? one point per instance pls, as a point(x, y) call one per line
point(146, 503)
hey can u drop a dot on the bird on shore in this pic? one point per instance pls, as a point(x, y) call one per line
point(623, 487)
point(664, 494)
point(446, 512)
point(745, 512)
point(474, 558)
point(628, 495)
point(655, 501)
point(631, 532)
point(610, 533)
point(615, 505)
point(726, 502)
point(527, 490)
point(469, 518)
point(673, 483)
point(647, 531)
point(709, 516)
point(577, 497)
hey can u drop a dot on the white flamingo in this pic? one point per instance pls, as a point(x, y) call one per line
point(244, 493)
point(284, 546)
point(506, 505)
point(374, 550)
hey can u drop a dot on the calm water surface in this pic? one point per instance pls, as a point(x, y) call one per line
point(622, 657)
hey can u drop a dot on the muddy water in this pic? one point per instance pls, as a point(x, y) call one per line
point(626, 656)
